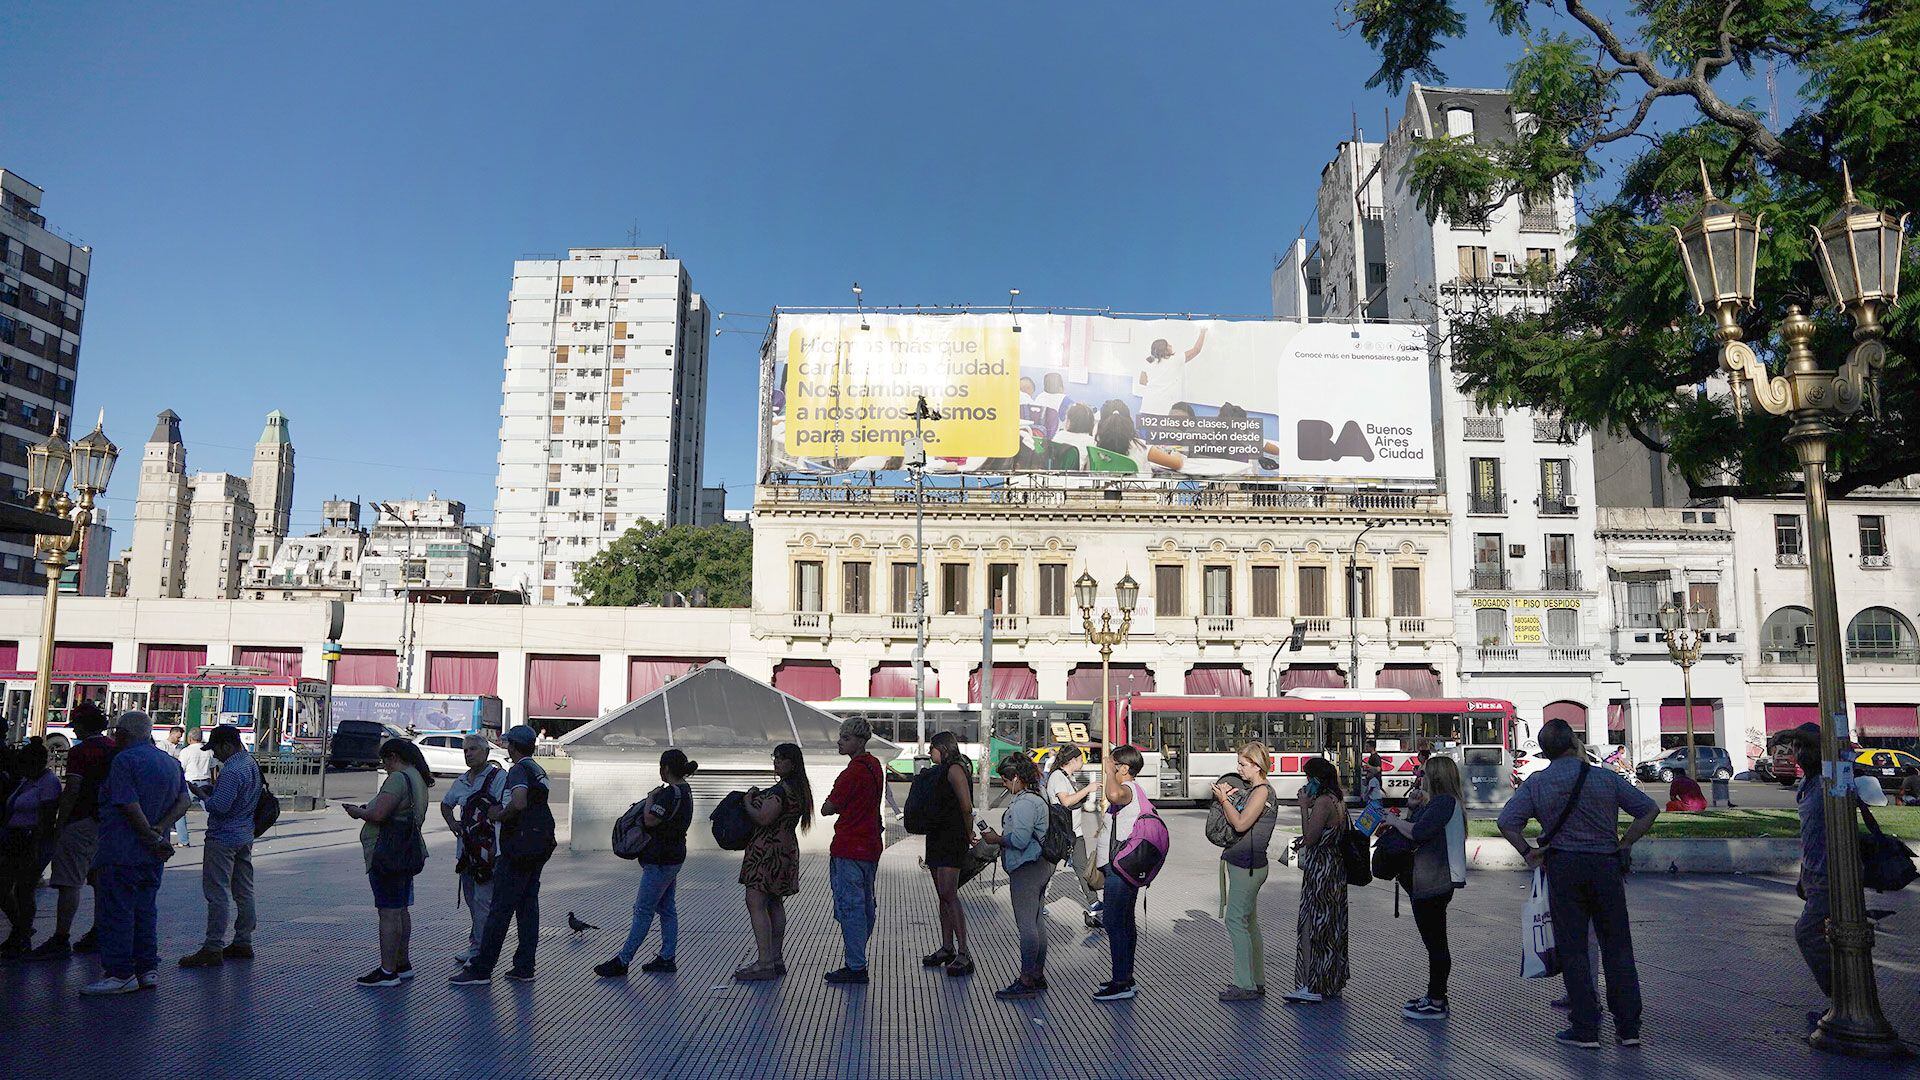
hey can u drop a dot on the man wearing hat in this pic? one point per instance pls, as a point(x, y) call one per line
point(526, 842)
point(1810, 932)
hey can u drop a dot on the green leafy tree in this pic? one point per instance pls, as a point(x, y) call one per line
point(650, 562)
point(1644, 98)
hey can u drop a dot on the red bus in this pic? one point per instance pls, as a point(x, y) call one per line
point(248, 698)
point(1189, 742)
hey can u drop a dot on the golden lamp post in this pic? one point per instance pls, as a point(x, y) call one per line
point(1106, 636)
point(1683, 648)
point(90, 463)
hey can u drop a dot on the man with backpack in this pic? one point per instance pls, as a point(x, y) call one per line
point(1128, 862)
point(226, 864)
point(526, 843)
point(1585, 855)
point(854, 858)
point(465, 805)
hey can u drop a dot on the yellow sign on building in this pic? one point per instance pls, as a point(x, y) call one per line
point(1527, 629)
point(850, 392)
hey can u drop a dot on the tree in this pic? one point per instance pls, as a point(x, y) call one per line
point(650, 562)
point(1622, 349)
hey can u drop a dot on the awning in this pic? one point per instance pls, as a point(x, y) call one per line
point(1616, 716)
point(1418, 680)
point(82, 658)
point(894, 679)
point(1011, 682)
point(463, 673)
point(367, 667)
point(1574, 713)
point(1311, 676)
point(1128, 679)
point(1673, 717)
point(1781, 717)
point(645, 674)
point(1220, 680)
point(563, 687)
point(1885, 722)
point(281, 660)
point(808, 680)
point(173, 659)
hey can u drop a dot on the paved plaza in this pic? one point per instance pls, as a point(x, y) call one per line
point(1726, 993)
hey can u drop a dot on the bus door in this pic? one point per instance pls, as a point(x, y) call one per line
point(1176, 739)
point(19, 707)
point(1342, 738)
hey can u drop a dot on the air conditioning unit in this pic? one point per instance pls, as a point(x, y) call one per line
point(1505, 265)
point(1570, 501)
point(1803, 637)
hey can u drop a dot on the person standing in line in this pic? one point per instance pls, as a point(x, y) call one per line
point(144, 796)
point(27, 841)
point(1243, 868)
point(770, 867)
point(477, 838)
point(1579, 807)
point(1068, 762)
point(1810, 930)
point(854, 858)
point(666, 819)
point(400, 805)
point(1320, 957)
point(526, 843)
point(1436, 822)
point(947, 844)
point(78, 822)
point(226, 864)
point(196, 763)
point(1123, 793)
point(1023, 824)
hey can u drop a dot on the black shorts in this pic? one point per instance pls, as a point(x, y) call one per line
point(947, 848)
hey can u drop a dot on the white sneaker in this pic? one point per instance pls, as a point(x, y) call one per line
point(1304, 996)
point(111, 985)
point(149, 980)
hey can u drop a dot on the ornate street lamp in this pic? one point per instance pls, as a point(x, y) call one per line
point(1683, 648)
point(1859, 251)
point(90, 464)
point(1126, 593)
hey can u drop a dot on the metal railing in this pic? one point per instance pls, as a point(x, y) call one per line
point(1557, 580)
point(1790, 558)
point(1487, 577)
point(292, 775)
point(1539, 221)
point(1110, 495)
point(1483, 428)
point(1554, 429)
point(1876, 562)
point(1877, 653)
point(1557, 506)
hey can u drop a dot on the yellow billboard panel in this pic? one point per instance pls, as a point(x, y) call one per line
point(850, 392)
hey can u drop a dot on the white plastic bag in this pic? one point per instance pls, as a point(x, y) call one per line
point(1537, 957)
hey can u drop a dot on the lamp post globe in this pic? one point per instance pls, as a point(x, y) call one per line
point(48, 464)
point(1127, 594)
point(1085, 591)
point(93, 457)
point(1859, 249)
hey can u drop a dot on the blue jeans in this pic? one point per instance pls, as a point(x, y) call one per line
point(853, 905)
point(1810, 933)
point(656, 894)
point(127, 919)
point(1116, 911)
point(1587, 890)
point(516, 898)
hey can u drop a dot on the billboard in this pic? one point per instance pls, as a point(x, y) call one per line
point(1168, 398)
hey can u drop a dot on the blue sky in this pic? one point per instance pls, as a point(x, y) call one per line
point(315, 208)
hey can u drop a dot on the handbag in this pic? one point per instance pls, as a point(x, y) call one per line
point(1886, 864)
point(1538, 960)
point(400, 850)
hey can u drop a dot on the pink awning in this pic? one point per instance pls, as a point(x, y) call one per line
point(463, 673)
point(1616, 716)
point(563, 687)
point(894, 679)
point(281, 660)
point(172, 659)
point(808, 680)
point(1219, 680)
point(1418, 680)
point(9, 656)
point(1574, 713)
point(645, 674)
point(82, 658)
point(1885, 722)
point(1311, 676)
point(1782, 717)
point(1673, 717)
point(1011, 682)
point(1128, 679)
point(367, 667)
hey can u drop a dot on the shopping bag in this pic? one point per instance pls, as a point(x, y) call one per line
point(1537, 957)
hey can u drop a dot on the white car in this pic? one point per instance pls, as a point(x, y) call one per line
point(1526, 763)
point(444, 756)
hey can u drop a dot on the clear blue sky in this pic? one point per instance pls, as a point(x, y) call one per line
point(315, 208)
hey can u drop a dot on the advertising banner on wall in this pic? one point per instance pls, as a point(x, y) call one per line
point(1171, 398)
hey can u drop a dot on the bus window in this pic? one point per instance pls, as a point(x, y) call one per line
point(127, 701)
point(235, 700)
point(1143, 729)
point(1486, 729)
point(168, 702)
point(1290, 733)
point(1233, 730)
point(1393, 731)
point(1439, 728)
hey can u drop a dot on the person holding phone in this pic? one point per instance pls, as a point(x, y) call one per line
point(1436, 822)
point(1320, 959)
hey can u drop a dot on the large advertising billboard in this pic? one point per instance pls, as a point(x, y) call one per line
point(1172, 398)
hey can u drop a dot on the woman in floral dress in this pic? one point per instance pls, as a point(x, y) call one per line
point(1320, 962)
point(770, 869)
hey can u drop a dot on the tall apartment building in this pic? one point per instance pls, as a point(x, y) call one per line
point(603, 411)
point(220, 527)
point(204, 536)
point(323, 565)
point(424, 544)
point(43, 290)
point(157, 561)
point(1519, 483)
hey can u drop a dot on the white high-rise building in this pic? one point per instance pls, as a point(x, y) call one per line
point(219, 536)
point(603, 410)
point(157, 562)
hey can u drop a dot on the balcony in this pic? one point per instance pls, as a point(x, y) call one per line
point(1217, 628)
point(1557, 506)
point(1877, 653)
point(1490, 577)
point(1532, 657)
point(1560, 580)
point(1487, 502)
point(1876, 562)
point(1483, 429)
point(1554, 429)
point(1790, 558)
point(1539, 221)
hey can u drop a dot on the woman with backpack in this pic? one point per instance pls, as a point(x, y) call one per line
point(1320, 960)
point(1068, 761)
point(1251, 811)
point(949, 836)
point(1023, 827)
point(770, 869)
point(1125, 799)
point(667, 814)
point(1437, 825)
point(396, 852)
point(26, 838)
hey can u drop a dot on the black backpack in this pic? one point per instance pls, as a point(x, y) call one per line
point(732, 828)
point(1220, 832)
point(924, 800)
point(1056, 844)
point(266, 810)
point(631, 837)
point(1356, 849)
point(530, 835)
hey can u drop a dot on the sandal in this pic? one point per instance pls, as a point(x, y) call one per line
point(962, 964)
point(754, 973)
point(937, 958)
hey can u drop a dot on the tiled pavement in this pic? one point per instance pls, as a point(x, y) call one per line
point(1726, 994)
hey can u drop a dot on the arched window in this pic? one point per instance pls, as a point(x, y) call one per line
point(1460, 123)
point(1879, 633)
point(1788, 636)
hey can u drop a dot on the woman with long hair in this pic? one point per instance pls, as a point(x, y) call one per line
point(1437, 825)
point(1243, 868)
point(1320, 959)
point(401, 805)
point(770, 869)
point(1068, 761)
point(947, 844)
point(666, 818)
point(1023, 825)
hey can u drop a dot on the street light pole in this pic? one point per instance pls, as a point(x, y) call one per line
point(90, 462)
point(1353, 605)
point(1859, 252)
point(1683, 648)
point(1085, 593)
point(917, 462)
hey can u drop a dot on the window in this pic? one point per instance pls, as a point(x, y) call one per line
point(1873, 536)
point(556, 425)
point(1643, 598)
point(1542, 260)
point(1563, 626)
point(1167, 587)
point(1313, 590)
point(1489, 561)
point(1460, 124)
point(1003, 584)
point(1217, 589)
point(1376, 273)
point(1554, 498)
point(1406, 592)
point(1786, 540)
point(559, 402)
point(553, 497)
point(953, 588)
point(806, 585)
point(553, 473)
point(1360, 580)
point(1266, 592)
point(1787, 637)
point(904, 574)
point(1053, 588)
point(1490, 626)
point(857, 579)
point(1473, 263)
point(1880, 634)
point(1704, 596)
point(547, 571)
point(1560, 575)
point(1485, 498)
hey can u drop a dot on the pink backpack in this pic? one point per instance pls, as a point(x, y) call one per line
point(1140, 858)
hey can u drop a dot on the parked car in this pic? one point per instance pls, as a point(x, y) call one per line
point(356, 744)
point(445, 757)
point(1715, 763)
point(1525, 764)
point(1885, 764)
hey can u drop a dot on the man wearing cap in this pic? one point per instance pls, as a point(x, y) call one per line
point(855, 854)
point(1810, 932)
point(526, 842)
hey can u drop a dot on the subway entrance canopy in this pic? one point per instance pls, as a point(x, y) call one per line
point(716, 708)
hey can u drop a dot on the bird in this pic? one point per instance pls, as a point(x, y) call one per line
point(574, 924)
